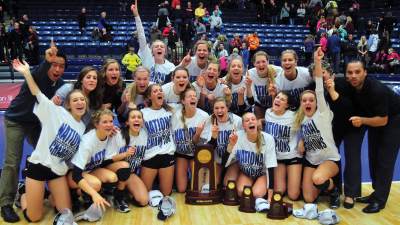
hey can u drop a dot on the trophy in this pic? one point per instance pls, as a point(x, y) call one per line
point(203, 185)
point(247, 202)
point(279, 209)
point(230, 195)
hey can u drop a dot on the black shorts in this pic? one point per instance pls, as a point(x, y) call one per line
point(289, 162)
point(179, 155)
point(308, 164)
point(40, 172)
point(159, 161)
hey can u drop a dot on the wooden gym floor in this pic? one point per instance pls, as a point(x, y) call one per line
point(229, 215)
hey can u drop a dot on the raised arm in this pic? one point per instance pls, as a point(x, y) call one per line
point(319, 86)
point(139, 26)
point(23, 67)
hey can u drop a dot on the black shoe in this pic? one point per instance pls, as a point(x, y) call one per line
point(365, 199)
point(20, 192)
point(334, 198)
point(348, 205)
point(373, 207)
point(8, 214)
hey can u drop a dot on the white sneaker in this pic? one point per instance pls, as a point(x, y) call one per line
point(121, 205)
point(309, 211)
point(64, 217)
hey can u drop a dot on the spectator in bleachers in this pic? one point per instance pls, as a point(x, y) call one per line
point(104, 28)
point(393, 59)
point(362, 48)
point(349, 50)
point(314, 3)
point(349, 26)
point(380, 27)
point(32, 47)
point(245, 53)
point(200, 28)
point(323, 41)
point(206, 19)
point(379, 63)
point(1, 14)
point(24, 25)
point(3, 44)
point(189, 14)
point(82, 20)
point(172, 39)
point(235, 42)
point(165, 32)
point(199, 12)
point(373, 42)
point(155, 34)
point(162, 16)
point(187, 34)
point(254, 43)
point(16, 42)
point(370, 28)
point(178, 18)
point(309, 44)
point(122, 5)
point(320, 23)
point(389, 21)
point(131, 61)
point(273, 11)
point(331, 8)
point(216, 24)
point(284, 17)
point(261, 9)
point(292, 14)
point(175, 3)
point(301, 13)
point(334, 51)
point(134, 42)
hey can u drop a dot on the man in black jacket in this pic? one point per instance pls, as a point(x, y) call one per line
point(20, 122)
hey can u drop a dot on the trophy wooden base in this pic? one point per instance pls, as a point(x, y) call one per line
point(197, 198)
point(284, 212)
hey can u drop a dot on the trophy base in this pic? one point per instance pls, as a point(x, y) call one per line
point(197, 198)
point(275, 217)
point(230, 202)
point(247, 209)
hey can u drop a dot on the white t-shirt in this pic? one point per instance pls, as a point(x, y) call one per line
point(194, 69)
point(294, 87)
point(317, 131)
point(225, 129)
point(217, 92)
point(158, 127)
point(169, 94)
point(183, 137)
point(118, 144)
point(259, 87)
point(60, 136)
point(158, 72)
point(92, 152)
point(250, 162)
point(281, 128)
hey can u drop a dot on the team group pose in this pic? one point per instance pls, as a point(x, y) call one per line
point(272, 128)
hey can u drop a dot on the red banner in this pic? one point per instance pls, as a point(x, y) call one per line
point(8, 91)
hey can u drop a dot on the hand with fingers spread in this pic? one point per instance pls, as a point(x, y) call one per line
point(134, 9)
point(100, 201)
point(22, 67)
point(214, 129)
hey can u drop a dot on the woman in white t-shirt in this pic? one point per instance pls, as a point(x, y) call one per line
point(88, 81)
point(209, 88)
point(153, 57)
point(197, 64)
point(314, 119)
point(133, 96)
point(173, 89)
point(58, 142)
point(217, 129)
point(254, 152)
point(159, 157)
point(187, 125)
point(261, 78)
point(279, 122)
point(133, 137)
point(237, 83)
point(97, 165)
point(292, 78)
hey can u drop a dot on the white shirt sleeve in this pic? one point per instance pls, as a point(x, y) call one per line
point(144, 50)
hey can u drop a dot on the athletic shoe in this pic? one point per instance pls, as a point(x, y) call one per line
point(328, 217)
point(262, 205)
point(64, 217)
point(92, 214)
point(334, 198)
point(8, 214)
point(166, 208)
point(309, 211)
point(155, 197)
point(121, 205)
point(20, 192)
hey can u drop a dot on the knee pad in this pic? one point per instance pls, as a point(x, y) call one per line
point(324, 186)
point(123, 174)
point(26, 215)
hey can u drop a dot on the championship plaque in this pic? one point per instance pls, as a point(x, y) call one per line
point(279, 209)
point(203, 185)
point(230, 194)
point(247, 202)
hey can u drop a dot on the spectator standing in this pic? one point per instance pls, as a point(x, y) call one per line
point(292, 14)
point(200, 12)
point(1, 14)
point(82, 20)
point(284, 17)
point(373, 41)
point(200, 28)
point(309, 44)
point(236, 42)
point(350, 51)
point(334, 51)
point(104, 28)
point(16, 41)
point(24, 25)
point(178, 18)
point(187, 34)
point(3, 44)
point(274, 11)
point(175, 3)
point(134, 42)
point(261, 8)
point(323, 41)
point(155, 34)
point(216, 24)
point(301, 13)
point(189, 14)
point(362, 48)
point(131, 60)
point(162, 16)
point(245, 53)
point(33, 47)
point(349, 26)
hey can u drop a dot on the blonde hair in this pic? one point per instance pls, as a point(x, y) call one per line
point(299, 117)
point(133, 88)
point(290, 51)
point(260, 138)
point(96, 116)
point(228, 75)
